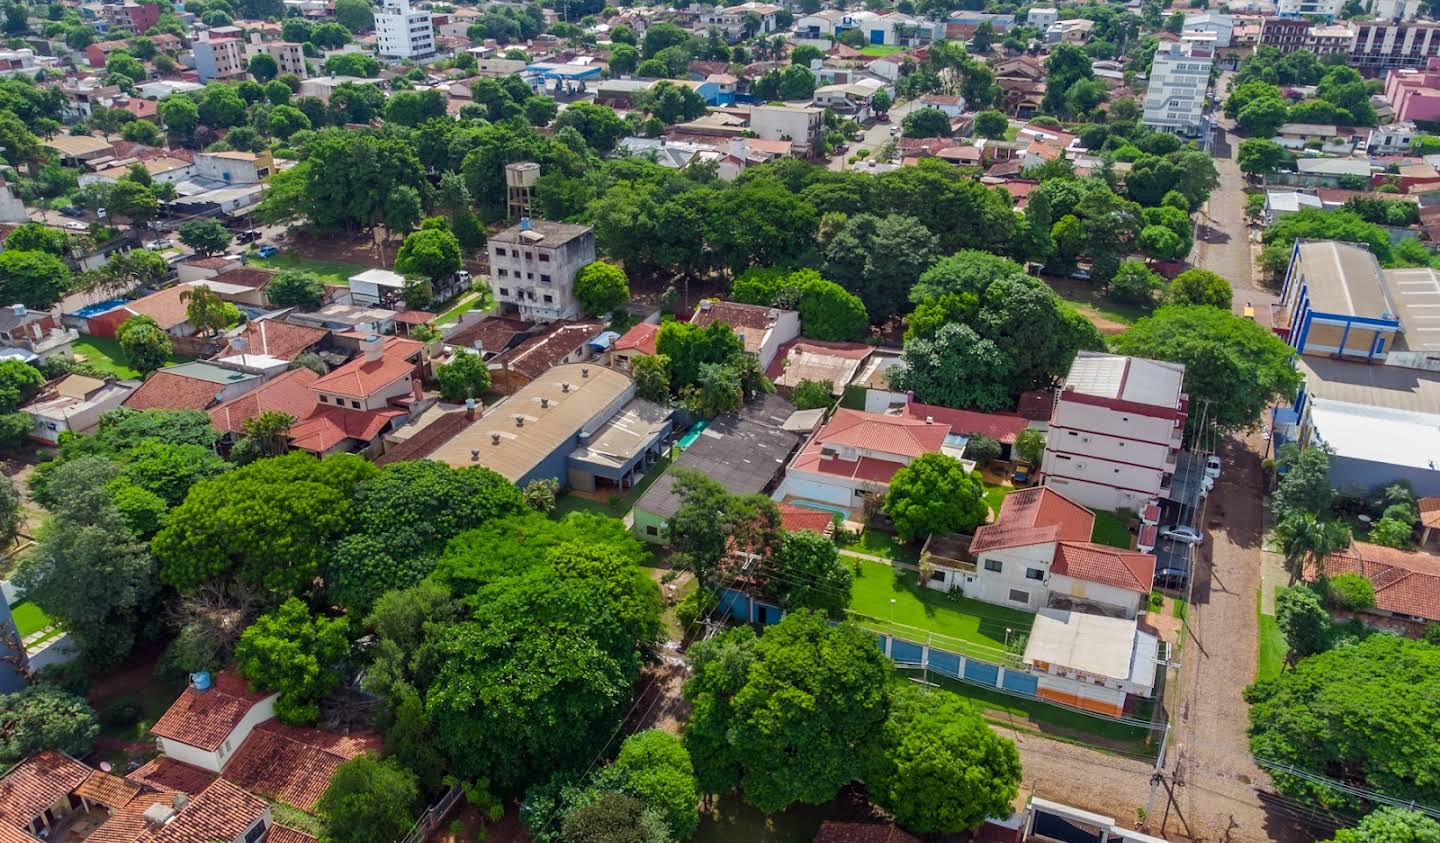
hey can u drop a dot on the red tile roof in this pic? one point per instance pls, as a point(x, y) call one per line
point(883, 433)
point(328, 426)
point(293, 764)
point(1036, 404)
point(33, 785)
point(361, 378)
point(1002, 427)
point(842, 350)
point(127, 824)
point(1035, 516)
point(282, 834)
point(1127, 569)
point(273, 338)
point(535, 355)
point(1407, 582)
point(288, 393)
point(165, 773)
point(1429, 511)
point(493, 332)
point(414, 317)
point(832, 831)
point(221, 811)
point(11, 834)
point(203, 719)
point(804, 518)
point(167, 391)
point(164, 306)
point(106, 789)
point(641, 338)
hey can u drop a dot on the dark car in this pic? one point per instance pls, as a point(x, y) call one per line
point(247, 236)
point(73, 211)
point(1171, 578)
point(882, 118)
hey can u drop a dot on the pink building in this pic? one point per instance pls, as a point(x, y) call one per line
point(1415, 94)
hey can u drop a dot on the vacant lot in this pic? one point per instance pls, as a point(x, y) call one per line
point(105, 354)
point(891, 602)
point(331, 272)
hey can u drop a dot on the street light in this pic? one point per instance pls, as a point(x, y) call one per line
point(892, 611)
point(1008, 630)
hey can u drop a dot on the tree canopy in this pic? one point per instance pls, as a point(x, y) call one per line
point(935, 494)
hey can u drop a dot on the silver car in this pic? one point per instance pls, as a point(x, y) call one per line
point(1188, 535)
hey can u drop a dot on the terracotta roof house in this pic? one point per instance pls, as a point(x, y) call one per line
point(762, 329)
point(357, 402)
point(855, 454)
point(489, 335)
point(204, 727)
point(1406, 582)
point(289, 393)
point(816, 360)
point(801, 518)
point(553, 344)
point(832, 831)
point(221, 811)
point(191, 386)
point(293, 764)
point(165, 773)
point(1002, 427)
point(269, 346)
point(639, 341)
point(36, 793)
point(1038, 553)
point(165, 307)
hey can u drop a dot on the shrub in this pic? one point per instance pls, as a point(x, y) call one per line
point(120, 714)
point(982, 449)
point(810, 394)
point(1351, 591)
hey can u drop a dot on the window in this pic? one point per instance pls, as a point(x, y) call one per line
point(504, 291)
point(255, 833)
point(1018, 596)
point(652, 530)
point(529, 276)
point(549, 299)
point(937, 576)
point(355, 405)
point(544, 258)
point(994, 565)
point(500, 252)
point(1034, 574)
point(859, 493)
point(544, 279)
point(529, 256)
point(502, 272)
point(324, 400)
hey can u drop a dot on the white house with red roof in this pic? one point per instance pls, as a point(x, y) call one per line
point(204, 727)
point(855, 454)
point(762, 330)
point(639, 341)
point(1038, 553)
point(356, 403)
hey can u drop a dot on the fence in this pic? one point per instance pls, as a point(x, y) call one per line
point(433, 816)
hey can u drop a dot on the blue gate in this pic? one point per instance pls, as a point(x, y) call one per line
point(945, 663)
point(906, 651)
point(1021, 683)
point(982, 672)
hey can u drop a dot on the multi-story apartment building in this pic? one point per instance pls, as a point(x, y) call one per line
point(1116, 431)
point(404, 33)
point(1284, 34)
point(533, 267)
point(742, 21)
point(289, 56)
point(1328, 9)
point(1382, 46)
point(1395, 10)
point(1175, 96)
point(1223, 26)
point(803, 126)
point(219, 58)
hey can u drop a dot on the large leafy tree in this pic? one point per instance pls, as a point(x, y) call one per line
point(19, 382)
point(1200, 287)
point(369, 800)
point(269, 524)
point(654, 767)
point(295, 288)
point(1233, 364)
point(935, 494)
point(710, 519)
point(1307, 539)
point(805, 572)
point(759, 222)
point(1304, 481)
point(296, 654)
point(601, 288)
point(880, 259)
point(955, 369)
point(943, 769)
point(34, 279)
point(791, 717)
point(45, 718)
point(690, 346)
point(1363, 713)
point(204, 309)
point(431, 253)
point(463, 376)
point(206, 236)
point(146, 345)
point(1391, 825)
point(1303, 620)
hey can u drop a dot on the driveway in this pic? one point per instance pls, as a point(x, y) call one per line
point(876, 136)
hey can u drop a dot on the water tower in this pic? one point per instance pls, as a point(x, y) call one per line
point(520, 179)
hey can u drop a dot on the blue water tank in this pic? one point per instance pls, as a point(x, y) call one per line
point(201, 680)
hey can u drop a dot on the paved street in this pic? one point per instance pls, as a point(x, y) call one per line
point(876, 136)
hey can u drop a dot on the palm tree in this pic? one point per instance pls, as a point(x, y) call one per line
point(270, 430)
point(1306, 541)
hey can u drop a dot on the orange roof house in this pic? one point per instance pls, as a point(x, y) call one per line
point(1406, 582)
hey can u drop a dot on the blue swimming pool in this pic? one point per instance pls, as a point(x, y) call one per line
point(837, 510)
point(693, 434)
point(98, 308)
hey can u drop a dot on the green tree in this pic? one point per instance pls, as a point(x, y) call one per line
point(880, 259)
point(614, 817)
point(812, 394)
point(1306, 540)
point(133, 201)
point(805, 572)
point(652, 377)
point(143, 132)
point(433, 253)
point(19, 382)
point(221, 107)
point(624, 60)
point(369, 799)
point(295, 288)
point(1231, 362)
point(1134, 283)
point(690, 346)
point(717, 390)
point(1199, 287)
point(1303, 620)
point(1259, 156)
point(12, 512)
point(40, 718)
point(34, 279)
point(957, 368)
point(1160, 243)
point(938, 743)
point(1030, 446)
point(1260, 118)
point(789, 718)
point(295, 653)
point(263, 67)
point(180, 115)
point(654, 767)
point(1391, 825)
point(464, 376)
point(124, 64)
point(599, 125)
point(710, 519)
point(270, 430)
point(1362, 708)
point(33, 237)
point(204, 309)
point(354, 15)
point(145, 344)
point(601, 288)
point(991, 124)
point(1304, 481)
point(935, 494)
point(926, 123)
point(286, 120)
point(206, 236)
point(352, 64)
point(1351, 592)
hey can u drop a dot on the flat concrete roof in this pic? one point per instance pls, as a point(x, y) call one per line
point(1379, 434)
point(1150, 382)
point(741, 454)
point(1092, 643)
point(615, 444)
point(200, 370)
point(1415, 296)
point(1344, 278)
point(1392, 387)
point(555, 406)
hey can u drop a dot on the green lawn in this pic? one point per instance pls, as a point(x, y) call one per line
point(885, 545)
point(958, 618)
point(878, 50)
point(1110, 529)
point(331, 272)
point(29, 618)
point(624, 503)
point(1272, 645)
point(104, 354)
point(1108, 308)
point(1052, 720)
point(464, 304)
point(995, 495)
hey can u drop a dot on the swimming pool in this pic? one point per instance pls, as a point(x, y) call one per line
point(98, 308)
point(693, 434)
point(837, 510)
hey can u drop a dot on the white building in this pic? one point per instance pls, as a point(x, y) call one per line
point(533, 267)
point(1175, 96)
point(1091, 661)
point(854, 456)
point(1042, 17)
point(762, 330)
point(377, 286)
point(803, 126)
point(234, 167)
point(1222, 26)
point(73, 405)
point(736, 21)
point(1395, 10)
point(1116, 431)
point(219, 57)
point(402, 32)
point(203, 727)
point(1328, 9)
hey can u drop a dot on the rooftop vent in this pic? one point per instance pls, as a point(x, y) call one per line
point(475, 453)
point(929, 419)
point(495, 439)
point(565, 387)
point(584, 371)
point(519, 421)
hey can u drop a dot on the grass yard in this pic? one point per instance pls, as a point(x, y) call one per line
point(104, 354)
point(331, 272)
point(1050, 720)
point(1272, 645)
point(29, 618)
point(878, 50)
point(465, 304)
point(995, 495)
point(959, 618)
point(885, 545)
point(1110, 529)
point(570, 502)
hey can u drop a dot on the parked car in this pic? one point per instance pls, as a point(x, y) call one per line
point(77, 226)
point(1212, 467)
point(158, 244)
point(841, 149)
point(1188, 535)
point(267, 251)
point(247, 236)
point(882, 118)
point(1171, 578)
point(894, 131)
point(73, 211)
point(1081, 275)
